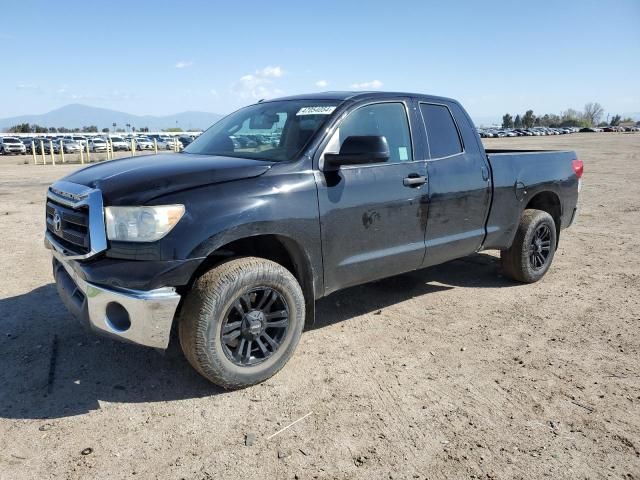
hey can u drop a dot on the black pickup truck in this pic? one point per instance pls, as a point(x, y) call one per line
point(230, 242)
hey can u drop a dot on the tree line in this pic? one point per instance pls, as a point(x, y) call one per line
point(589, 117)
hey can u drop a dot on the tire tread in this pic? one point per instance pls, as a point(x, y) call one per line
point(514, 261)
point(201, 304)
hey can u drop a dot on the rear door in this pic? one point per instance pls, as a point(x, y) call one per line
point(459, 184)
point(372, 218)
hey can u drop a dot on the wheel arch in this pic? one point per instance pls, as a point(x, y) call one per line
point(549, 202)
point(275, 247)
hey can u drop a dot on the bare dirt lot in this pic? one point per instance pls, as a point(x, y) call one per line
point(450, 372)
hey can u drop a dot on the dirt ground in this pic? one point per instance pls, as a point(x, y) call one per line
point(450, 372)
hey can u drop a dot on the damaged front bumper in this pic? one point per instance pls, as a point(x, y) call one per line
point(137, 316)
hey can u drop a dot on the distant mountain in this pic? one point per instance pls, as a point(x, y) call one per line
point(76, 115)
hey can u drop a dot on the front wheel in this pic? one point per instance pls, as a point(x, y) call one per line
point(242, 321)
point(533, 248)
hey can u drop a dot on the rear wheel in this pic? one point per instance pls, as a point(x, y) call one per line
point(242, 321)
point(533, 248)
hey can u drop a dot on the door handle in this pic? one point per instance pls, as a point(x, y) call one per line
point(485, 174)
point(414, 180)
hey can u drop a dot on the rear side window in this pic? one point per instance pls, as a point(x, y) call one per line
point(441, 130)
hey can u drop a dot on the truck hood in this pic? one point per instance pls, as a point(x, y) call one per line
point(137, 180)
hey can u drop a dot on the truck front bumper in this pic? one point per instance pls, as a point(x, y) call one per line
point(137, 316)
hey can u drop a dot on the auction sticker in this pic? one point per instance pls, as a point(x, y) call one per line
point(319, 110)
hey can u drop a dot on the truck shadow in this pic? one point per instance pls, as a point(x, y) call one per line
point(38, 336)
point(478, 271)
point(52, 368)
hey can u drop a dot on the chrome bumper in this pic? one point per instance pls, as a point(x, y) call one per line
point(142, 317)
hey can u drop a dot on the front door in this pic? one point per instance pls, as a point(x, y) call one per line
point(372, 217)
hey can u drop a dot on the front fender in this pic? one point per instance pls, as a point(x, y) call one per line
point(284, 205)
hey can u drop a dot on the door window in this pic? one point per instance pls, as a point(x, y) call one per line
point(385, 119)
point(442, 132)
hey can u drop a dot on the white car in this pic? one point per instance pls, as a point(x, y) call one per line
point(97, 145)
point(169, 143)
point(120, 143)
point(9, 145)
point(143, 143)
point(78, 139)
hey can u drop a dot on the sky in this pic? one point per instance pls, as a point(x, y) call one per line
point(161, 58)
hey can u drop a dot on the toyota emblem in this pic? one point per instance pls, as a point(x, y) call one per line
point(57, 222)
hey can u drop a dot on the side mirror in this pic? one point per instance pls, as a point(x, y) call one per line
point(358, 150)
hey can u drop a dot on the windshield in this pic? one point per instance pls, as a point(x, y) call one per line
point(11, 140)
point(274, 131)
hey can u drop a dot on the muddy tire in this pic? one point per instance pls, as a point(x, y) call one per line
point(241, 321)
point(533, 248)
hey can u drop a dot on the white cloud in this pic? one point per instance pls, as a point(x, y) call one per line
point(322, 83)
point(258, 85)
point(183, 64)
point(27, 86)
point(373, 84)
point(270, 72)
point(213, 92)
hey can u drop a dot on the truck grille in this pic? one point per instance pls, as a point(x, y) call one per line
point(75, 221)
point(70, 226)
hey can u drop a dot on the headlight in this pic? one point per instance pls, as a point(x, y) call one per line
point(141, 224)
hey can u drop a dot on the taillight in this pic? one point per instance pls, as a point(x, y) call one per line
point(578, 167)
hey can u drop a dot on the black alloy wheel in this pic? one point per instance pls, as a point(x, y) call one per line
point(540, 247)
point(255, 326)
point(531, 253)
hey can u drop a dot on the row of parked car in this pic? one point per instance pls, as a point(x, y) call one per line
point(77, 143)
point(610, 129)
point(540, 131)
point(524, 132)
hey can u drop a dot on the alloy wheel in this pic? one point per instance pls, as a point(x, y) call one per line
point(255, 326)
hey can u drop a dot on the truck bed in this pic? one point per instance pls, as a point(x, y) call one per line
point(520, 175)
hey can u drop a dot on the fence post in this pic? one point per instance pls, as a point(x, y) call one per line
point(62, 151)
point(155, 145)
point(88, 154)
point(81, 153)
point(33, 152)
point(133, 148)
point(44, 159)
point(53, 156)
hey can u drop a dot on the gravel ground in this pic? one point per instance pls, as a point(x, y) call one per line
point(449, 372)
